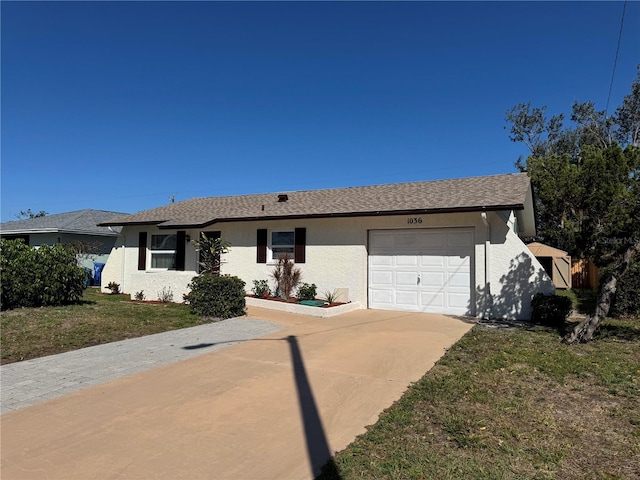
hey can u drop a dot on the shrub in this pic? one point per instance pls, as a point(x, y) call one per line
point(261, 288)
point(139, 296)
point(217, 296)
point(307, 292)
point(114, 287)
point(550, 310)
point(38, 277)
point(287, 276)
point(166, 295)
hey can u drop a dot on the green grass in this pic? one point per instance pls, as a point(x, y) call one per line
point(584, 301)
point(512, 404)
point(27, 333)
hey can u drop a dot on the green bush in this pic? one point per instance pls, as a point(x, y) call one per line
point(307, 292)
point(261, 288)
point(627, 299)
point(217, 296)
point(550, 310)
point(39, 277)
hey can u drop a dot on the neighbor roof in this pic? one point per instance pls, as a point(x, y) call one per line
point(80, 222)
point(498, 192)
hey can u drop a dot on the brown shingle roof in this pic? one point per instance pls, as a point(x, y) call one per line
point(495, 192)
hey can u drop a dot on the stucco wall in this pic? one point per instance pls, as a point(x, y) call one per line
point(336, 258)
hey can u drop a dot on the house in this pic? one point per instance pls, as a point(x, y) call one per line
point(556, 262)
point(449, 246)
point(75, 227)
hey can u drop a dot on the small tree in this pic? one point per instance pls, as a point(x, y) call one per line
point(287, 276)
point(29, 214)
point(211, 251)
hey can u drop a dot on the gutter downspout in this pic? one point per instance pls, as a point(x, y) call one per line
point(488, 300)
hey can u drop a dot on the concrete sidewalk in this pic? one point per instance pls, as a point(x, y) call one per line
point(270, 408)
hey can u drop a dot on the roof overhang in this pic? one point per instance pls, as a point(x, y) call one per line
point(526, 216)
point(431, 211)
point(35, 231)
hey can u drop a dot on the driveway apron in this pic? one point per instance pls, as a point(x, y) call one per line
point(274, 407)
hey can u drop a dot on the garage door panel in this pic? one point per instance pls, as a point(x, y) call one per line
point(381, 261)
point(432, 261)
point(458, 279)
point(432, 300)
point(433, 240)
point(457, 261)
point(406, 298)
point(406, 279)
point(382, 297)
point(431, 279)
point(406, 261)
point(382, 278)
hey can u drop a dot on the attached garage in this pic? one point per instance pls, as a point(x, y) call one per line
point(422, 270)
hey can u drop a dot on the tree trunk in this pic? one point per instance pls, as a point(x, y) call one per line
point(583, 332)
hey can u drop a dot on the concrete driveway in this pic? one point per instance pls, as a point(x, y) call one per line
point(271, 408)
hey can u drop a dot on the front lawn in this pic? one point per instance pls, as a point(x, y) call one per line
point(512, 403)
point(27, 333)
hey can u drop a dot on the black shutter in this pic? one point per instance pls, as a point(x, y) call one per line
point(181, 241)
point(300, 243)
point(261, 242)
point(142, 251)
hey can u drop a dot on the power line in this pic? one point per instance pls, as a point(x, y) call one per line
point(615, 62)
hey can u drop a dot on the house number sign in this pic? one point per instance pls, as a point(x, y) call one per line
point(414, 220)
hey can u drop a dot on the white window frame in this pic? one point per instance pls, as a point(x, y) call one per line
point(154, 252)
point(273, 259)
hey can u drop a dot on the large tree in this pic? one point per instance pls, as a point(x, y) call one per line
point(586, 178)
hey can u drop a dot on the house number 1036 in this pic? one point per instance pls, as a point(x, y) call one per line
point(414, 220)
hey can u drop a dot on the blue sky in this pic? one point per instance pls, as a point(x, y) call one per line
point(121, 105)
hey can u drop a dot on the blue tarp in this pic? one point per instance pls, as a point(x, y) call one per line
point(97, 273)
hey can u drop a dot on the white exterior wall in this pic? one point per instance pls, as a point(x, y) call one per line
point(337, 258)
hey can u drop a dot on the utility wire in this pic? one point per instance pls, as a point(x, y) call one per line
point(615, 62)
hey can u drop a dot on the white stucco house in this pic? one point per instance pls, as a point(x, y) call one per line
point(447, 246)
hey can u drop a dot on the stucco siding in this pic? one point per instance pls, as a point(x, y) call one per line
point(515, 274)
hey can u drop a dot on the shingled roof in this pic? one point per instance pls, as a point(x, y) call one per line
point(79, 221)
point(497, 192)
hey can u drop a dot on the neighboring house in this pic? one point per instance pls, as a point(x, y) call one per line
point(67, 228)
point(449, 246)
point(556, 262)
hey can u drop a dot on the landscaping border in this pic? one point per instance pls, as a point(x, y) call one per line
point(304, 309)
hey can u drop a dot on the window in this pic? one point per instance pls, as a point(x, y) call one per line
point(163, 251)
point(273, 245)
point(282, 243)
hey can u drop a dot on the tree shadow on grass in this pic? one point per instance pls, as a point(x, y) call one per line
point(620, 332)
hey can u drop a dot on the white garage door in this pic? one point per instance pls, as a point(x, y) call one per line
point(425, 270)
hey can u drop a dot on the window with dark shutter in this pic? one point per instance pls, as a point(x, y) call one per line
point(142, 251)
point(261, 242)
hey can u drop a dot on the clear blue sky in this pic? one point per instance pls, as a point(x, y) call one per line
point(120, 105)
